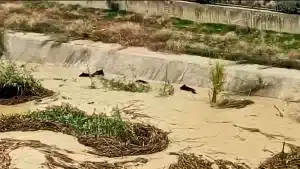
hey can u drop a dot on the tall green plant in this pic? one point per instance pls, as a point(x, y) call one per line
point(216, 76)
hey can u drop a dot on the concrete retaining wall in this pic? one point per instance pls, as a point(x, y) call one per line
point(252, 18)
point(148, 65)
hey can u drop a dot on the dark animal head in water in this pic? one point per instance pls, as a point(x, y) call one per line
point(183, 87)
point(99, 73)
point(141, 81)
point(189, 89)
point(85, 75)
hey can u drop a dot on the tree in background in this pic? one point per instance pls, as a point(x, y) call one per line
point(285, 6)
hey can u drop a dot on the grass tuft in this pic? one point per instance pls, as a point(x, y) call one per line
point(283, 159)
point(192, 161)
point(95, 125)
point(109, 136)
point(15, 81)
point(124, 85)
point(167, 89)
point(233, 103)
point(217, 77)
point(110, 14)
point(251, 87)
point(44, 4)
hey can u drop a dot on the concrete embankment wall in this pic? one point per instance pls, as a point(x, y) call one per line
point(258, 19)
point(148, 65)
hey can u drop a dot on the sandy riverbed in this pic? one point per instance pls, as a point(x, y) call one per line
point(194, 125)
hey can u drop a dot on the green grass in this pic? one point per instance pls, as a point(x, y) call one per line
point(216, 28)
point(13, 76)
point(284, 40)
point(82, 124)
point(110, 14)
point(181, 23)
point(206, 27)
point(43, 4)
point(229, 42)
point(166, 89)
point(108, 136)
point(124, 85)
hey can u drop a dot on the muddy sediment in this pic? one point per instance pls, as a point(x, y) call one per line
point(194, 125)
point(54, 158)
point(147, 139)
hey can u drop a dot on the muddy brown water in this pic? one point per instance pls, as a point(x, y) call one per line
point(21, 108)
point(195, 126)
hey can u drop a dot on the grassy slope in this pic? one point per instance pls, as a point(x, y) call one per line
point(155, 32)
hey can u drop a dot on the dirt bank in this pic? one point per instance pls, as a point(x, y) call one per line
point(157, 33)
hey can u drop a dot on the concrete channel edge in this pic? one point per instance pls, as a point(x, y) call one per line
point(191, 70)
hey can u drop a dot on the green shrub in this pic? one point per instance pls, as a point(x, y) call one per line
point(13, 76)
point(287, 6)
